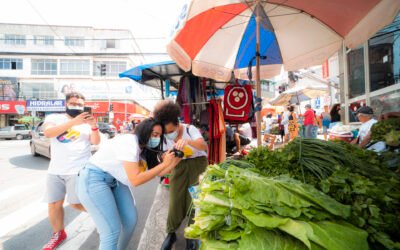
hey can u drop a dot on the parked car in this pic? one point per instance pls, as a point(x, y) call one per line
point(18, 131)
point(107, 129)
point(40, 144)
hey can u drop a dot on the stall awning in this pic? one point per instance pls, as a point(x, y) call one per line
point(152, 74)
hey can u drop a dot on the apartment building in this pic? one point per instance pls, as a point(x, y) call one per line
point(43, 62)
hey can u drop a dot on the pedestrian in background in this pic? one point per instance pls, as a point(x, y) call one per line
point(281, 127)
point(326, 121)
point(292, 126)
point(187, 138)
point(285, 123)
point(309, 122)
point(103, 184)
point(268, 137)
point(335, 115)
point(71, 135)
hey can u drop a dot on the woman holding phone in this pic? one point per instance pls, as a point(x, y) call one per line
point(103, 184)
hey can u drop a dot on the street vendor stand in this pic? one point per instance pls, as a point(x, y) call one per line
point(198, 98)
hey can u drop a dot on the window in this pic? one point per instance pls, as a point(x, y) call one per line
point(113, 68)
point(43, 40)
point(355, 61)
point(20, 127)
point(44, 67)
point(74, 67)
point(388, 102)
point(10, 63)
point(110, 44)
point(14, 39)
point(44, 90)
point(74, 41)
point(384, 57)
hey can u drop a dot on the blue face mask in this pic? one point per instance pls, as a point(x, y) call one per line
point(172, 136)
point(153, 142)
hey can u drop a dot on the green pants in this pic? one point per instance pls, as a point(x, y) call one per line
point(185, 174)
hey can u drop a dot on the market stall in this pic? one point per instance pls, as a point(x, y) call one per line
point(198, 97)
point(309, 195)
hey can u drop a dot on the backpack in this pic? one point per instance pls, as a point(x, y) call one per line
point(238, 103)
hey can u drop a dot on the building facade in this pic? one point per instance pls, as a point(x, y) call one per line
point(370, 74)
point(42, 62)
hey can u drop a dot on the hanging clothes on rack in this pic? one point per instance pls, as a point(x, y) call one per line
point(217, 129)
point(184, 98)
point(192, 90)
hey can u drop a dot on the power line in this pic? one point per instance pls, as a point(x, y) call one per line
point(90, 39)
point(45, 21)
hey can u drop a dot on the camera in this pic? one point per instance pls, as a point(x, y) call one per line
point(177, 153)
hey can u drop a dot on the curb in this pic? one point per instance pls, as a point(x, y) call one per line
point(154, 230)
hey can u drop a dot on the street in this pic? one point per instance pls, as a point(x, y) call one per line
point(23, 215)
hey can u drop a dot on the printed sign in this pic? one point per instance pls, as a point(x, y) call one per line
point(8, 88)
point(12, 107)
point(45, 105)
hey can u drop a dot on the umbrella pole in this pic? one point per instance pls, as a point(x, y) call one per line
point(258, 84)
point(298, 101)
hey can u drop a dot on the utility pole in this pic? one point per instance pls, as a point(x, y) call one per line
point(103, 73)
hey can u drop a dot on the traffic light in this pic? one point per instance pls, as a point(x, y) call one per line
point(111, 108)
point(103, 69)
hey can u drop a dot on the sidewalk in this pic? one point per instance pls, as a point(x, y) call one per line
point(154, 231)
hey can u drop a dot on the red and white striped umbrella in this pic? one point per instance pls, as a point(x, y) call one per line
point(214, 38)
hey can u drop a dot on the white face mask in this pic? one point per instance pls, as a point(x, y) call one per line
point(172, 135)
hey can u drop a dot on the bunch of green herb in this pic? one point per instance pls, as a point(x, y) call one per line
point(350, 175)
point(388, 131)
point(240, 209)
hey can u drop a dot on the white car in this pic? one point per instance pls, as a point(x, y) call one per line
point(18, 131)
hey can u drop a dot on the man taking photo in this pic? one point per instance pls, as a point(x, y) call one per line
point(71, 134)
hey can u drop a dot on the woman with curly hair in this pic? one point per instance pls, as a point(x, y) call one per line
point(188, 139)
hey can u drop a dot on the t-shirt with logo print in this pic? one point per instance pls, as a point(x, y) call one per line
point(70, 151)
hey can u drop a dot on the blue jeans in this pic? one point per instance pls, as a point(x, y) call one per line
point(309, 132)
point(110, 204)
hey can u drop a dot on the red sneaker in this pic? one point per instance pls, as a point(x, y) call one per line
point(56, 240)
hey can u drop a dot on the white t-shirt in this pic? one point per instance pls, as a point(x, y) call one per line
point(268, 123)
point(194, 134)
point(365, 128)
point(71, 150)
point(245, 130)
point(113, 152)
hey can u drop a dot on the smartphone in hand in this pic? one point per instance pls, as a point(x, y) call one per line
point(87, 109)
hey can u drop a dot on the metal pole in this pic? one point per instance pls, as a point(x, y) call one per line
point(346, 112)
point(109, 100)
point(258, 83)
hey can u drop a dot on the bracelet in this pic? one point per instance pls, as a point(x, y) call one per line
point(95, 129)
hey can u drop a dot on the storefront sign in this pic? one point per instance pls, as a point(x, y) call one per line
point(12, 107)
point(45, 105)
